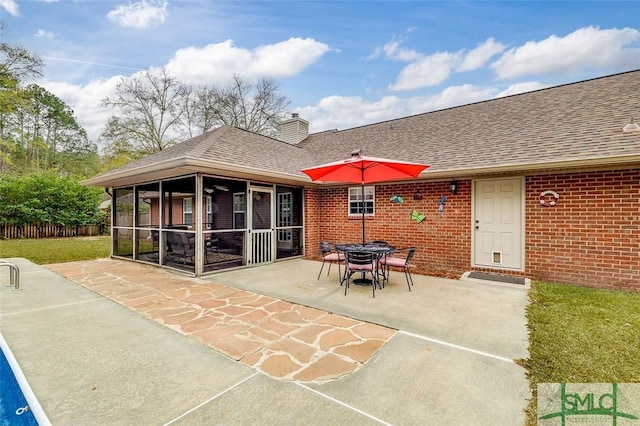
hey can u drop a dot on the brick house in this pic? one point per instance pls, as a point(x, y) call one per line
point(547, 186)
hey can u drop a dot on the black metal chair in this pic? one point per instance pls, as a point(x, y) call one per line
point(381, 270)
point(388, 262)
point(329, 256)
point(361, 262)
point(181, 249)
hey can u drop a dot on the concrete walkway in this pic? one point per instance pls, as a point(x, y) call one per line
point(441, 354)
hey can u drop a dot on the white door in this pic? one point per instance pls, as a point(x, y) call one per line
point(498, 223)
point(261, 227)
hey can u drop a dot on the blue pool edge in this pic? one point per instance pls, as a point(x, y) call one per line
point(34, 405)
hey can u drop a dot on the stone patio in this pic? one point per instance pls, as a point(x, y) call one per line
point(284, 340)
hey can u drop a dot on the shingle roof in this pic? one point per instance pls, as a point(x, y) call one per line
point(223, 147)
point(569, 124)
point(573, 122)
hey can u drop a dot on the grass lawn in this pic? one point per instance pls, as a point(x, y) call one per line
point(57, 250)
point(581, 335)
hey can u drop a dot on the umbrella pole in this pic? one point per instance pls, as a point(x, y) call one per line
point(363, 241)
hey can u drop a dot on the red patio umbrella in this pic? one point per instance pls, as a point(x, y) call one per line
point(364, 170)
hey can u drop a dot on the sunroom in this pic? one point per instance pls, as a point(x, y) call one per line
point(201, 224)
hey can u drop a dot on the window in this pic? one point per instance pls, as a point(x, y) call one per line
point(355, 200)
point(284, 216)
point(239, 210)
point(209, 211)
point(187, 211)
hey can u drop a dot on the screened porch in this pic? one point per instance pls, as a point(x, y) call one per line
point(201, 224)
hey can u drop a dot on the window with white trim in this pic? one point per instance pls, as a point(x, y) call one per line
point(239, 210)
point(209, 211)
point(284, 216)
point(187, 211)
point(355, 200)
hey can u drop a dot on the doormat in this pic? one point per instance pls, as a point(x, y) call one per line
point(499, 278)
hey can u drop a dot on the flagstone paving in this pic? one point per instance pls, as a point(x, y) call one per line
point(283, 340)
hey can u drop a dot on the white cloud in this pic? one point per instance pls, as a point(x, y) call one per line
point(10, 6)
point(479, 56)
point(431, 70)
point(427, 71)
point(44, 34)
point(142, 14)
point(286, 58)
point(216, 63)
point(393, 51)
point(588, 47)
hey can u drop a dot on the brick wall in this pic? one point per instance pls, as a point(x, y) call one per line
point(443, 239)
point(591, 237)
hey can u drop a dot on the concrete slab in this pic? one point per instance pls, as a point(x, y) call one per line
point(264, 401)
point(416, 382)
point(92, 361)
point(481, 316)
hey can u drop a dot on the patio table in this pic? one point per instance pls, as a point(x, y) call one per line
point(378, 249)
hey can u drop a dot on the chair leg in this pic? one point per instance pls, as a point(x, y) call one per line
point(319, 273)
point(343, 277)
point(407, 275)
point(374, 281)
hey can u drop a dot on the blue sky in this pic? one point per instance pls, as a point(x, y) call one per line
point(341, 63)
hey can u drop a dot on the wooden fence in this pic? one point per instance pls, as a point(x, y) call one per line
point(51, 230)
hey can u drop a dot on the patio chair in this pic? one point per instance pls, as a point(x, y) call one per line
point(381, 270)
point(361, 262)
point(155, 241)
point(182, 249)
point(388, 262)
point(330, 257)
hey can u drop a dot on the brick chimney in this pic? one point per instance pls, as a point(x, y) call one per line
point(294, 129)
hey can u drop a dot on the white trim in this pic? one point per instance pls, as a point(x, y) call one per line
point(185, 212)
point(249, 247)
point(373, 200)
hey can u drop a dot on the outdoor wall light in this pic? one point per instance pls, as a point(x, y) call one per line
point(631, 127)
point(454, 186)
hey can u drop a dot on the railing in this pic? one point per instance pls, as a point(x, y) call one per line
point(51, 230)
point(14, 274)
point(261, 247)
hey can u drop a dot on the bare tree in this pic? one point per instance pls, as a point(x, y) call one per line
point(150, 108)
point(253, 106)
point(155, 110)
point(17, 63)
